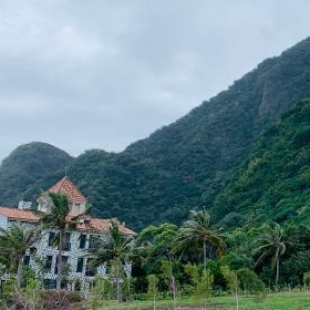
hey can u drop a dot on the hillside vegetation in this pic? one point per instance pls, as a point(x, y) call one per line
point(25, 166)
point(274, 183)
point(189, 162)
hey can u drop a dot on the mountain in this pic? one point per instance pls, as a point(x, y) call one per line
point(191, 161)
point(273, 184)
point(25, 166)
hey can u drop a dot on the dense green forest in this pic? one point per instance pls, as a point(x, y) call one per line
point(274, 182)
point(189, 163)
point(25, 166)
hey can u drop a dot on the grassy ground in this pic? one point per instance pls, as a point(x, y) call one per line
point(280, 301)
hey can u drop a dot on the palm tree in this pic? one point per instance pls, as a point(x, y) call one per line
point(117, 251)
point(198, 229)
point(58, 218)
point(14, 243)
point(269, 244)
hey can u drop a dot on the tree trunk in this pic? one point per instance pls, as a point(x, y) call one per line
point(59, 261)
point(277, 274)
point(19, 273)
point(237, 297)
point(174, 291)
point(154, 296)
point(118, 282)
point(204, 258)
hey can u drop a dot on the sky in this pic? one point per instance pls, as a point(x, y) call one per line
point(105, 73)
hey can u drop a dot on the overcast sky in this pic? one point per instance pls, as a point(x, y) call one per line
point(82, 74)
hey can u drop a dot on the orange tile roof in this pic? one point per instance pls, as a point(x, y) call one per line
point(103, 225)
point(94, 224)
point(14, 213)
point(67, 187)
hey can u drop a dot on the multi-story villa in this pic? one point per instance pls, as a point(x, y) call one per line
point(88, 229)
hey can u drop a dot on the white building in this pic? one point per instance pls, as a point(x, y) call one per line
point(79, 273)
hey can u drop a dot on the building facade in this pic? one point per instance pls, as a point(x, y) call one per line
point(42, 256)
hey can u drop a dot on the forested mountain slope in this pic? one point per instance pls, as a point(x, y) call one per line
point(25, 165)
point(187, 163)
point(274, 184)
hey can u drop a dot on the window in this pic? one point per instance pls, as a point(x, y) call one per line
point(67, 243)
point(33, 250)
point(64, 284)
point(64, 261)
point(48, 263)
point(83, 241)
point(49, 284)
point(90, 270)
point(80, 263)
point(26, 260)
point(77, 285)
point(51, 238)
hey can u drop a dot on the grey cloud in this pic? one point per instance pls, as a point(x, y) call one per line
point(85, 74)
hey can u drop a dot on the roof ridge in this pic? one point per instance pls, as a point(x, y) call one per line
point(69, 188)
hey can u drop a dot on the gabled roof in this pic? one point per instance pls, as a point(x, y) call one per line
point(103, 225)
point(93, 224)
point(23, 215)
point(65, 186)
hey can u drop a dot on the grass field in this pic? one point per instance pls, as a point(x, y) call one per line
point(279, 301)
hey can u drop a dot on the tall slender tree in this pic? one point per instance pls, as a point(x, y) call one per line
point(58, 218)
point(14, 243)
point(269, 245)
point(198, 230)
point(116, 251)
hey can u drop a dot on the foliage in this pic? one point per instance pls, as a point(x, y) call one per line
point(14, 242)
point(101, 289)
point(25, 166)
point(183, 273)
point(115, 252)
point(231, 277)
point(198, 230)
point(29, 298)
point(152, 288)
point(7, 289)
point(192, 272)
point(117, 246)
point(249, 281)
point(273, 183)
point(269, 244)
point(158, 242)
point(58, 219)
point(200, 285)
point(167, 271)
